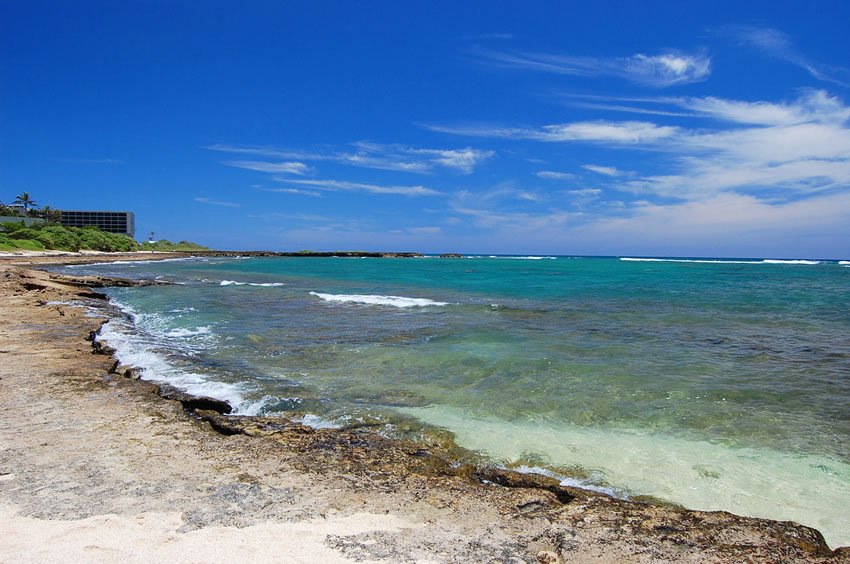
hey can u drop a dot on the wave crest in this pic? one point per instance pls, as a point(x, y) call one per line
point(395, 301)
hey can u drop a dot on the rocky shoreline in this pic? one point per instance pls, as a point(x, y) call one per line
point(427, 501)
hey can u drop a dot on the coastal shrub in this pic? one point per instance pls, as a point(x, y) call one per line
point(166, 245)
point(16, 235)
point(7, 244)
point(12, 226)
point(63, 238)
point(94, 239)
point(58, 237)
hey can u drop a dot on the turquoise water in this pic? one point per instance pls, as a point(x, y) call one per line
point(717, 385)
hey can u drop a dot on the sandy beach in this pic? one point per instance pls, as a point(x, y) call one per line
point(98, 466)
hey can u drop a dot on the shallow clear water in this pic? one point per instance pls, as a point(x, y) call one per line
point(718, 385)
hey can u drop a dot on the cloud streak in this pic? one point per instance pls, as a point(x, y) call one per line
point(363, 154)
point(346, 186)
point(601, 131)
point(603, 170)
point(554, 175)
point(661, 70)
point(262, 166)
point(211, 202)
point(778, 44)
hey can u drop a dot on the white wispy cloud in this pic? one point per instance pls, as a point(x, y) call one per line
point(724, 225)
point(783, 151)
point(464, 160)
point(362, 154)
point(554, 175)
point(778, 44)
point(604, 170)
point(810, 106)
point(514, 221)
point(629, 109)
point(586, 192)
point(211, 202)
point(346, 186)
point(627, 132)
point(291, 167)
point(661, 70)
point(295, 191)
point(261, 150)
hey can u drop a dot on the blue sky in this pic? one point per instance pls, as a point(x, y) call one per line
point(625, 128)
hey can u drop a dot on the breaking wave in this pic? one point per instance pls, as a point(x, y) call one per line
point(394, 301)
point(264, 284)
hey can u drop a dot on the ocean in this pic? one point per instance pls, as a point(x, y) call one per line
point(716, 384)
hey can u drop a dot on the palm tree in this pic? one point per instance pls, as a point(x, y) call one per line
point(25, 200)
point(51, 215)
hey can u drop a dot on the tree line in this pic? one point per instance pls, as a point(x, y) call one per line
point(31, 209)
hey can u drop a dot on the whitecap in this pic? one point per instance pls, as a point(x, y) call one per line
point(186, 332)
point(796, 261)
point(132, 349)
point(264, 284)
point(317, 422)
point(528, 258)
point(703, 261)
point(395, 301)
point(570, 482)
point(130, 262)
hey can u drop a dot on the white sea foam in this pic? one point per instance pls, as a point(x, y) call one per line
point(526, 258)
point(779, 261)
point(265, 284)
point(704, 261)
point(131, 262)
point(133, 350)
point(258, 407)
point(317, 422)
point(810, 489)
point(395, 301)
point(844, 262)
point(567, 481)
point(148, 354)
point(186, 332)
point(720, 261)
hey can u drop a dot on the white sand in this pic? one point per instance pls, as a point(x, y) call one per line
point(154, 537)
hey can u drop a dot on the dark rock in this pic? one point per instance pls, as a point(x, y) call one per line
point(512, 479)
point(250, 425)
point(193, 403)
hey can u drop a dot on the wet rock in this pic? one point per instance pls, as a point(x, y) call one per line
point(99, 348)
point(193, 403)
point(511, 479)
point(249, 425)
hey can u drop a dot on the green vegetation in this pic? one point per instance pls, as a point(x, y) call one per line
point(10, 211)
point(51, 235)
point(25, 200)
point(15, 236)
point(166, 245)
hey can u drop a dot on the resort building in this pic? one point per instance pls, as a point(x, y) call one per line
point(110, 221)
